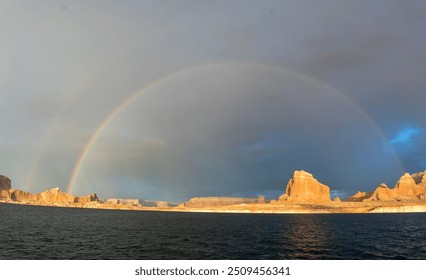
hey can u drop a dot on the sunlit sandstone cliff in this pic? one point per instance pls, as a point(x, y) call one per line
point(55, 197)
point(51, 196)
point(409, 188)
point(304, 188)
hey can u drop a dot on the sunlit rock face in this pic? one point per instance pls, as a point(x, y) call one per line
point(358, 197)
point(51, 196)
point(406, 187)
point(381, 193)
point(5, 183)
point(86, 199)
point(217, 201)
point(304, 188)
point(4, 195)
point(21, 196)
point(56, 195)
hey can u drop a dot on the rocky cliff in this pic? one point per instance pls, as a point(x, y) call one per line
point(408, 188)
point(382, 192)
point(219, 201)
point(51, 196)
point(420, 178)
point(304, 188)
point(86, 199)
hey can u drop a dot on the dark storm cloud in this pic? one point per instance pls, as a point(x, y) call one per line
point(225, 129)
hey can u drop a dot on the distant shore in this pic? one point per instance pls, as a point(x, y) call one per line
point(265, 208)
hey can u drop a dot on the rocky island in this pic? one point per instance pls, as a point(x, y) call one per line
point(303, 194)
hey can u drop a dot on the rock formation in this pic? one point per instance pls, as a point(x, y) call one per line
point(381, 193)
point(218, 201)
point(157, 203)
point(358, 197)
point(5, 183)
point(304, 188)
point(304, 194)
point(51, 196)
point(419, 178)
point(55, 195)
point(408, 188)
point(21, 196)
point(126, 202)
point(137, 203)
point(86, 199)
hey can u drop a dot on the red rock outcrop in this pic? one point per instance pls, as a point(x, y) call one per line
point(406, 187)
point(304, 188)
point(4, 195)
point(5, 183)
point(52, 196)
point(381, 193)
point(55, 195)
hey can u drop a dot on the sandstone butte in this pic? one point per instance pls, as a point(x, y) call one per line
point(303, 194)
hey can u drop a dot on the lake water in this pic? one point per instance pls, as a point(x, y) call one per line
point(31, 232)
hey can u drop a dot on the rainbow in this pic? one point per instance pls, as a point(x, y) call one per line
point(122, 106)
point(76, 93)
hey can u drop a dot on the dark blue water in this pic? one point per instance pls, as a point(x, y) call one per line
point(30, 232)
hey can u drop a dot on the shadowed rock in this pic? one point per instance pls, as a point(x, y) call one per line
point(5, 183)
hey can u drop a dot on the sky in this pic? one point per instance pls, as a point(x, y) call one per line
point(169, 100)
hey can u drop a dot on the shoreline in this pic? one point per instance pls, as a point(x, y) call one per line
point(266, 208)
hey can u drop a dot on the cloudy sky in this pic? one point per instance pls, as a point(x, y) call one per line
point(172, 99)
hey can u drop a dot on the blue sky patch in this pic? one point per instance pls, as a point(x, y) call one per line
point(405, 135)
